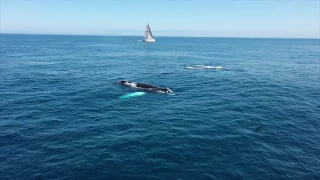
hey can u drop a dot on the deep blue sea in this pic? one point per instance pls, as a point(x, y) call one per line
point(61, 116)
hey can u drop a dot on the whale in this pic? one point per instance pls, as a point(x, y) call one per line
point(147, 87)
point(207, 67)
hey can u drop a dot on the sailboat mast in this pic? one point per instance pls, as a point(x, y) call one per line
point(146, 32)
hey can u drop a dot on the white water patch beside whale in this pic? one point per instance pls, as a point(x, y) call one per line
point(131, 95)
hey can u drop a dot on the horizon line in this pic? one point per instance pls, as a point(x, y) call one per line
point(240, 37)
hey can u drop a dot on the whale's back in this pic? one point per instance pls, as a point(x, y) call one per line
point(148, 86)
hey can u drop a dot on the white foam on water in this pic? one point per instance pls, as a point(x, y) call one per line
point(160, 92)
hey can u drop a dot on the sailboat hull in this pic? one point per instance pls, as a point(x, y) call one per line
point(149, 40)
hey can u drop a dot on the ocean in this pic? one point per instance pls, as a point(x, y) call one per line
point(249, 110)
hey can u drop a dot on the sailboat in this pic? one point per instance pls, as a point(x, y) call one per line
point(148, 37)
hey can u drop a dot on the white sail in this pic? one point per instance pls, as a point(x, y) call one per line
point(146, 33)
point(148, 37)
point(150, 33)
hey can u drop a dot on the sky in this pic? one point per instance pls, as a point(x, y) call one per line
point(204, 18)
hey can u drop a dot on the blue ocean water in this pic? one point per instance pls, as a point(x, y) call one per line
point(61, 116)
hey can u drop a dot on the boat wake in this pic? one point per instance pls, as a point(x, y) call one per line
point(207, 67)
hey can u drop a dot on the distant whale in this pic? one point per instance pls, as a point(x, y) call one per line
point(258, 127)
point(207, 67)
point(146, 87)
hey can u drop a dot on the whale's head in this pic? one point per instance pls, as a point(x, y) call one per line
point(128, 83)
point(125, 82)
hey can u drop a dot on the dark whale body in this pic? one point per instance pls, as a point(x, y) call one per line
point(145, 86)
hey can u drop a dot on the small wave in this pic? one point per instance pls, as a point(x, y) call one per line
point(36, 63)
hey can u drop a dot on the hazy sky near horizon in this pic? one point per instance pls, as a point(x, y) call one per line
point(217, 18)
